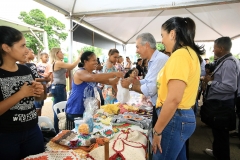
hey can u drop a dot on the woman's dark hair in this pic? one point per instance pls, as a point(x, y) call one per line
point(138, 60)
point(144, 62)
point(128, 73)
point(112, 51)
point(224, 42)
point(9, 36)
point(85, 57)
point(185, 34)
point(98, 61)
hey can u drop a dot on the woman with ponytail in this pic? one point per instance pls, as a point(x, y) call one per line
point(59, 71)
point(177, 90)
point(20, 135)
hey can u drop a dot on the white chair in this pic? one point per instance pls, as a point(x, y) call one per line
point(45, 122)
point(59, 106)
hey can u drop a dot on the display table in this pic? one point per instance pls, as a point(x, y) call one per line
point(126, 137)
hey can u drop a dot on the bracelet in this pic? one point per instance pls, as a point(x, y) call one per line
point(155, 133)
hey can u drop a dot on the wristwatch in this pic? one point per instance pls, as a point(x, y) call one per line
point(130, 86)
point(155, 133)
point(209, 82)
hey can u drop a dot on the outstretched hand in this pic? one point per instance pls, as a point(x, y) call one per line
point(125, 83)
point(114, 81)
point(119, 74)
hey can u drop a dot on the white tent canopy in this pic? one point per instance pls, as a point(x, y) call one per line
point(125, 19)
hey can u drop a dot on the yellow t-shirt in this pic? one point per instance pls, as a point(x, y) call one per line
point(182, 65)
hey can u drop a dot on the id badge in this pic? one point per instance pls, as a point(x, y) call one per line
point(53, 87)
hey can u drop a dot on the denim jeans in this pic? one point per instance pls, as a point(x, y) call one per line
point(175, 134)
point(18, 145)
point(38, 104)
point(59, 94)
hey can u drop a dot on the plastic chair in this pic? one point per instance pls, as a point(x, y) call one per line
point(59, 106)
point(45, 122)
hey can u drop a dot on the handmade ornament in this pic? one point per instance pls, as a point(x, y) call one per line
point(83, 129)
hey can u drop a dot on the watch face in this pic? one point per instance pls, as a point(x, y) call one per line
point(130, 85)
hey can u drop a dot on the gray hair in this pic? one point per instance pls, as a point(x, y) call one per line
point(147, 38)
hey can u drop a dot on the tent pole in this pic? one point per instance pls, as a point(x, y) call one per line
point(36, 37)
point(70, 55)
point(45, 41)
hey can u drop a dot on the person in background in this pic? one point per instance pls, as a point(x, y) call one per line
point(222, 87)
point(44, 71)
point(181, 73)
point(110, 91)
point(84, 85)
point(20, 135)
point(119, 64)
point(146, 48)
point(99, 85)
point(140, 68)
point(206, 60)
point(145, 67)
point(29, 57)
point(131, 73)
point(99, 66)
point(128, 64)
point(59, 69)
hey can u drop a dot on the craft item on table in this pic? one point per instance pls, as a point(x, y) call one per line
point(88, 118)
point(71, 139)
point(121, 125)
point(83, 128)
point(108, 133)
point(50, 155)
point(111, 108)
point(99, 127)
point(145, 113)
point(77, 122)
point(127, 145)
point(126, 108)
point(80, 151)
point(132, 118)
point(116, 130)
point(106, 121)
point(103, 130)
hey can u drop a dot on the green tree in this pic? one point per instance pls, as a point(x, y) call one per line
point(211, 59)
point(53, 27)
point(97, 51)
point(160, 46)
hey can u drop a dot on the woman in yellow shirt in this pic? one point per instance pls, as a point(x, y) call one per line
point(177, 84)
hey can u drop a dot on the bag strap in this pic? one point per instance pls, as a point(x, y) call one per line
point(221, 61)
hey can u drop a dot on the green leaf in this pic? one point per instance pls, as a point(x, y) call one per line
point(53, 27)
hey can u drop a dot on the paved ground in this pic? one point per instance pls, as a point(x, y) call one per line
point(201, 139)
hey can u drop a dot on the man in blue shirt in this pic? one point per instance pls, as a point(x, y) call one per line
point(146, 48)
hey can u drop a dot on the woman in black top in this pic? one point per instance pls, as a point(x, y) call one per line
point(20, 135)
point(139, 67)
